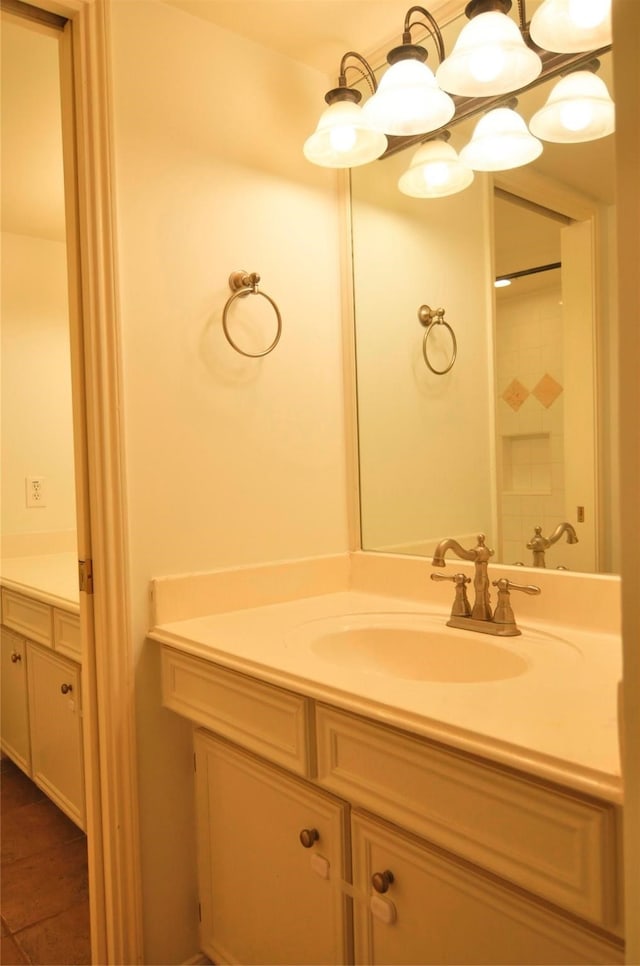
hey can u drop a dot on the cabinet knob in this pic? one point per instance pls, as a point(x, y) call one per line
point(382, 880)
point(66, 688)
point(15, 657)
point(308, 836)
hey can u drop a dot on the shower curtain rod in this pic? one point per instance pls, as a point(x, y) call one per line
point(529, 271)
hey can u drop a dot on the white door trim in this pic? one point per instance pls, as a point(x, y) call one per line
point(108, 665)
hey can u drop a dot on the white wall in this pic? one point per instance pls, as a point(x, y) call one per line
point(421, 434)
point(229, 460)
point(36, 396)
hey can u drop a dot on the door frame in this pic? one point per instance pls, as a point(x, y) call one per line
point(108, 681)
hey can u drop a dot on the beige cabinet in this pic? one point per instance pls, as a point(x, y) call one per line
point(432, 908)
point(15, 707)
point(488, 864)
point(272, 860)
point(41, 697)
point(55, 720)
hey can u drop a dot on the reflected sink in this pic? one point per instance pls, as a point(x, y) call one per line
point(412, 647)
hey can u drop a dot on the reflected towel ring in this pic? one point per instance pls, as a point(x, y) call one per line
point(243, 284)
point(430, 317)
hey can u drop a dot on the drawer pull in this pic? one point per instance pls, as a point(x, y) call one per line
point(308, 836)
point(382, 880)
point(66, 688)
point(15, 657)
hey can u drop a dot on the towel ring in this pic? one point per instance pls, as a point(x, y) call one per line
point(243, 284)
point(430, 317)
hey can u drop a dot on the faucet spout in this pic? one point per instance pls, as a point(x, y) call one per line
point(450, 544)
point(480, 555)
point(567, 528)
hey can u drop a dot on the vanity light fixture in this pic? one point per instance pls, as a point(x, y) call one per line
point(579, 108)
point(343, 137)
point(495, 47)
point(490, 55)
point(501, 141)
point(571, 26)
point(408, 99)
point(435, 171)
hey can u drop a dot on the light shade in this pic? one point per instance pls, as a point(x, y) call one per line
point(571, 26)
point(408, 100)
point(489, 57)
point(578, 108)
point(343, 138)
point(500, 141)
point(435, 171)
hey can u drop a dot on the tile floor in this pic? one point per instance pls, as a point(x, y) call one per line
point(44, 890)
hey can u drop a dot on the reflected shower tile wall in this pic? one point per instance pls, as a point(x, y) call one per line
point(530, 417)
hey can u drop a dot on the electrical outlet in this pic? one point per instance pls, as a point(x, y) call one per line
point(36, 491)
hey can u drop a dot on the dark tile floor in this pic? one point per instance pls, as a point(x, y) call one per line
point(44, 904)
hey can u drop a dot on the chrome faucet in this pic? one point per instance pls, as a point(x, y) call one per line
point(480, 617)
point(539, 544)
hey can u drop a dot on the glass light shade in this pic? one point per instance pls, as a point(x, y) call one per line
point(343, 138)
point(500, 141)
point(408, 100)
point(489, 57)
point(578, 108)
point(571, 26)
point(435, 171)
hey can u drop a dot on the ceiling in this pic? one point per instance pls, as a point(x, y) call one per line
point(316, 32)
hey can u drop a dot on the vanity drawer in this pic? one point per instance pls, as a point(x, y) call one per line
point(66, 633)
point(270, 721)
point(26, 616)
point(557, 845)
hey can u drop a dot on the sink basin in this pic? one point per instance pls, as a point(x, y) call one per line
point(412, 647)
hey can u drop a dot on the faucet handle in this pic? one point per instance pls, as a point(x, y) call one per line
point(456, 578)
point(504, 612)
point(508, 585)
point(461, 606)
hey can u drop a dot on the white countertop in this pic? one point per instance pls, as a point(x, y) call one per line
point(51, 578)
point(557, 720)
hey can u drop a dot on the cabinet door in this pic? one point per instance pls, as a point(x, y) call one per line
point(264, 897)
point(56, 729)
point(15, 707)
point(441, 910)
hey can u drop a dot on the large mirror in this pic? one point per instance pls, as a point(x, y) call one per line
point(519, 434)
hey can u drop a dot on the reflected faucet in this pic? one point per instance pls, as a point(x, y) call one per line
point(539, 544)
point(480, 617)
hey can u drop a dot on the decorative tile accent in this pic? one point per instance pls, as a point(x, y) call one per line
point(515, 394)
point(547, 390)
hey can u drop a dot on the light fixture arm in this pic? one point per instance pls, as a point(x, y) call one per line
point(522, 17)
point(367, 72)
point(431, 25)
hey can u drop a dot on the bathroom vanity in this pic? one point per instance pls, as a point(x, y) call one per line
point(41, 658)
point(359, 803)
